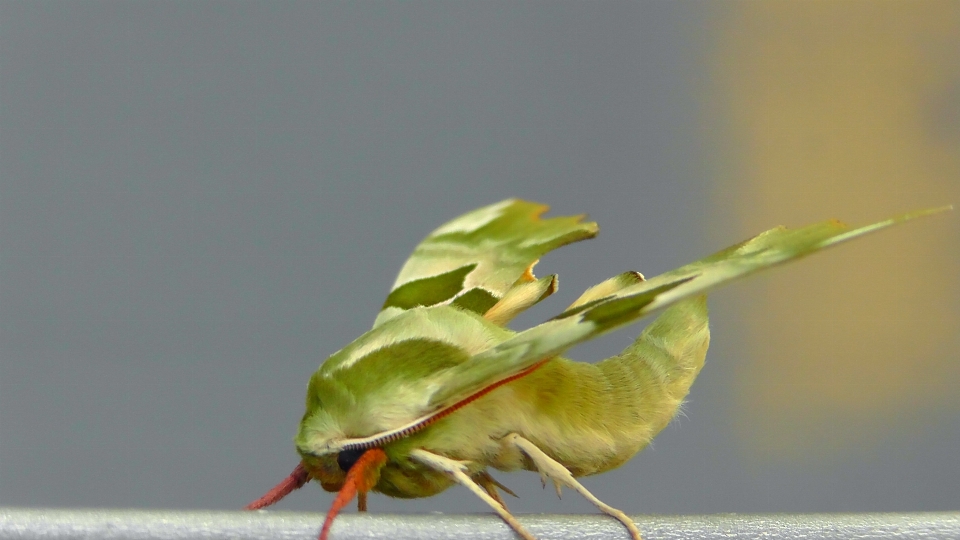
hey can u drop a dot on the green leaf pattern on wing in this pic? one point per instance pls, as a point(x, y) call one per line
point(473, 261)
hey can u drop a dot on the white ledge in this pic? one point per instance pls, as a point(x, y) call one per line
point(179, 525)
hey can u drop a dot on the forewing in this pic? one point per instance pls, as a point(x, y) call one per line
point(383, 381)
point(628, 302)
point(474, 261)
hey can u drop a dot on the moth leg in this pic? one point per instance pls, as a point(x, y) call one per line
point(455, 469)
point(550, 468)
point(490, 485)
point(362, 501)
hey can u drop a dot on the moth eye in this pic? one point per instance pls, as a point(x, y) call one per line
point(347, 458)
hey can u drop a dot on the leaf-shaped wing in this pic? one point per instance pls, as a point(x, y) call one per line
point(474, 261)
point(593, 314)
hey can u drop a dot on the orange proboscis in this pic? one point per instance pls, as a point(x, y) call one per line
point(360, 478)
point(296, 480)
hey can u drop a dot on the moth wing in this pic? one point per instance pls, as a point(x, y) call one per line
point(631, 301)
point(484, 259)
point(382, 381)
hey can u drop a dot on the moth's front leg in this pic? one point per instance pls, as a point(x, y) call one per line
point(550, 468)
point(455, 469)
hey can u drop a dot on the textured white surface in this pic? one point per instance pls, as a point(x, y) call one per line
point(145, 524)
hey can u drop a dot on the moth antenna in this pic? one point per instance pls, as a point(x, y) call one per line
point(361, 477)
point(296, 480)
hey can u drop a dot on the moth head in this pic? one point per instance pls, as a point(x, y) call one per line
point(322, 429)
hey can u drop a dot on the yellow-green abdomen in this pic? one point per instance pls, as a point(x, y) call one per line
point(594, 417)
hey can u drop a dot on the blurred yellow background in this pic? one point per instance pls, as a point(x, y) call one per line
point(847, 110)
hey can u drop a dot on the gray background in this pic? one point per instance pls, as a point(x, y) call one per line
point(200, 201)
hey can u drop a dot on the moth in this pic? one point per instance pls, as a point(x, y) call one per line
point(440, 391)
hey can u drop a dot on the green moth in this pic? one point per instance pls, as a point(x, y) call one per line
point(439, 391)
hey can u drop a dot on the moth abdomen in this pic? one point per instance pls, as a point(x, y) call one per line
point(652, 376)
point(594, 417)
